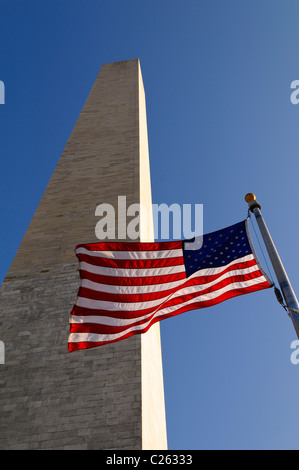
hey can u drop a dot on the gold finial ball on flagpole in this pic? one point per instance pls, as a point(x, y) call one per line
point(250, 197)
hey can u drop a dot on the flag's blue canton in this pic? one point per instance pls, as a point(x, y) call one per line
point(217, 249)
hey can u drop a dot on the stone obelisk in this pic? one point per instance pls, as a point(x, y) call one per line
point(109, 397)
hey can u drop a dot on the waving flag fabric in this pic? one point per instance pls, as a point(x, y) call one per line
point(126, 287)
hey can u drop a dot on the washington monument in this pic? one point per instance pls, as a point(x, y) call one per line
point(109, 397)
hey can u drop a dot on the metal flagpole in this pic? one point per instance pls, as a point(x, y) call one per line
point(282, 278)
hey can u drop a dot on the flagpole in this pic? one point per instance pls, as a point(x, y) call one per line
point(282, 278)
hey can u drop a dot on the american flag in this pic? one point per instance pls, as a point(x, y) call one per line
point(126, 287)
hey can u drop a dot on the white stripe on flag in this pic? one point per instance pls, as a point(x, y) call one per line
point(120, 272)
point(132, 254)
point(132, 306)
point(93, 337)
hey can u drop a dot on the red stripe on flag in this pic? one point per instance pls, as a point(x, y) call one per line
point(131, 246)
point(169, 302)
point(131, 263)
point(195, 306)
point(131, 281)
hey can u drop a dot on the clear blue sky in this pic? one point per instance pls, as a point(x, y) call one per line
point(217, 77)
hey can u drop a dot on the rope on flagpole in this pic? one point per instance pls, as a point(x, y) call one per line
point(276, 290)
point(262, 251)
point(280, 299)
